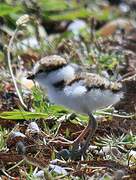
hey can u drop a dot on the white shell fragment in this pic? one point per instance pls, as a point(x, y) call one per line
point(33, 127)
point(15, 134)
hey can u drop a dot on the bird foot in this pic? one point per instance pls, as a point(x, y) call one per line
point(66, 154)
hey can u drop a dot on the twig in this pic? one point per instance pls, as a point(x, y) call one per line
point(10, 177)
point(116, 115)
point(33, 162)
point(10, 67)
point(13, 167)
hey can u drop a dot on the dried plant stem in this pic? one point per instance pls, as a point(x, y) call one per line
point(10, 67)
point(116, 115)
point(6, 174)
point(16, 165)
point(33, 162)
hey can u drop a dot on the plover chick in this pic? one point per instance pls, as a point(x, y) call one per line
point(68, 85)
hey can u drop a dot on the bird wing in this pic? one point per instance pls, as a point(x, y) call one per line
point(94, 81)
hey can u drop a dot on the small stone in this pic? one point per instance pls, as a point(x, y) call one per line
point(20, 147)
point(118, 174)
point(33, 127)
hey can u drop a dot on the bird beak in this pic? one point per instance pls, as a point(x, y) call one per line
point(31, 77)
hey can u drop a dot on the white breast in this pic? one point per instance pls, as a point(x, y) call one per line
point(65, 73)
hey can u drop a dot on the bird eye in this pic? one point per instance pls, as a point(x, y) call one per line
point(40, 71)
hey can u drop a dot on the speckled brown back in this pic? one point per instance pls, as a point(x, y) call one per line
point(95, 81)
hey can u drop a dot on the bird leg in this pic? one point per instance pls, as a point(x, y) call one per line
point(75, 153)
point(75, 143)
point(92, 125)
point(90, 135)
point(82, 135)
